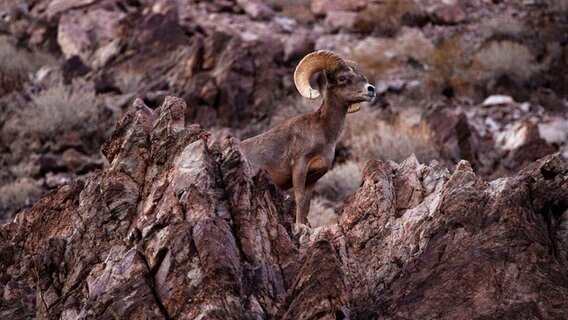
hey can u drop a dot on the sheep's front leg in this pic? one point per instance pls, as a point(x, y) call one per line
point(302, 193)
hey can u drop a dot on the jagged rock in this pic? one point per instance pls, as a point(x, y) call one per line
point(90, 36)
point(521, 144)
point(342, 20)
point(323, 7)
point(233, 62)
point(178, 225)
point(58, 6)
point(449, 14)
point(453, 133)
point(256, 9)
point(485, 250)
point(497, 100)
point(554, 130)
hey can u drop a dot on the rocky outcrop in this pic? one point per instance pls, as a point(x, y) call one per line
point(178, 225)
point(76, 65)
point(204, 52)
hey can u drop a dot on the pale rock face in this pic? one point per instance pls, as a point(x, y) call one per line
point(90, 36)
point(497, 100)
point(554, 131)
point(514, 137)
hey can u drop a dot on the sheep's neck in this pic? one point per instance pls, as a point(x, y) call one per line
point(332, 113)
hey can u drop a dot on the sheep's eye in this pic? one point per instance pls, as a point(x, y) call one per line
point(341, 78)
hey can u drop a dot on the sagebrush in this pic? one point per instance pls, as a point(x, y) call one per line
point(59, 109)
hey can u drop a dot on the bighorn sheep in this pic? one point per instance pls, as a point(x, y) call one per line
point(298, 152)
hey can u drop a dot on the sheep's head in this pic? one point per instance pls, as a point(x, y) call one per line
point(343, 77)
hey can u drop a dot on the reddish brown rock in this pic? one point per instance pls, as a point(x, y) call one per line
point(449, 14)
point(177, 225)
point(469, 249)
point(233, 62)
point(342, 20)
point(256, 9)
point(323, 7)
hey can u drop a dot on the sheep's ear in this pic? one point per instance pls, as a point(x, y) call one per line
point(328, 77)
point(322, 80)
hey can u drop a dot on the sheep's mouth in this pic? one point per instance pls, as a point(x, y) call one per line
point(354, 108)
point(369, 96)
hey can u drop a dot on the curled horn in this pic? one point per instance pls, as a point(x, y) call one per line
point(321, 60)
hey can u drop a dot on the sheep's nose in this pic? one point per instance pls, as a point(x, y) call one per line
point(371, 90)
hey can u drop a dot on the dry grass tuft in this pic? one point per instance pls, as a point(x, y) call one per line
point(59, 109)
point(13, 59)
point(449, 65)
point(558, 5)
point(504, 58)
point(504, 26)
point(386, 17)
point(373, 138)
point(288, 109)
point(342, 180)
point(322, 212)
point(17, 194)
point(16, 65)
point(459, 66)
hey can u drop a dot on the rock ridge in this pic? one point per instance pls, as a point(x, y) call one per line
point(178, 225)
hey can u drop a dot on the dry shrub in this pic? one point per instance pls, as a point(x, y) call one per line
point(129, 81)
point(386, 17)
point(373, 138)
point(16, 195)
point(385, 57)
point(458, 65)
point(15, 59)
point(290, 108)
point(558, 5)
point(322, 212)
point(504, 58)
point(449, 66)
point(59, 109)
point(16, 65)
point(342, 180)
point(331, 190)
point(297, 9)
point(504, 26)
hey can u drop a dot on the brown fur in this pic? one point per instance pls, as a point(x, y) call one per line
point(300, 151)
